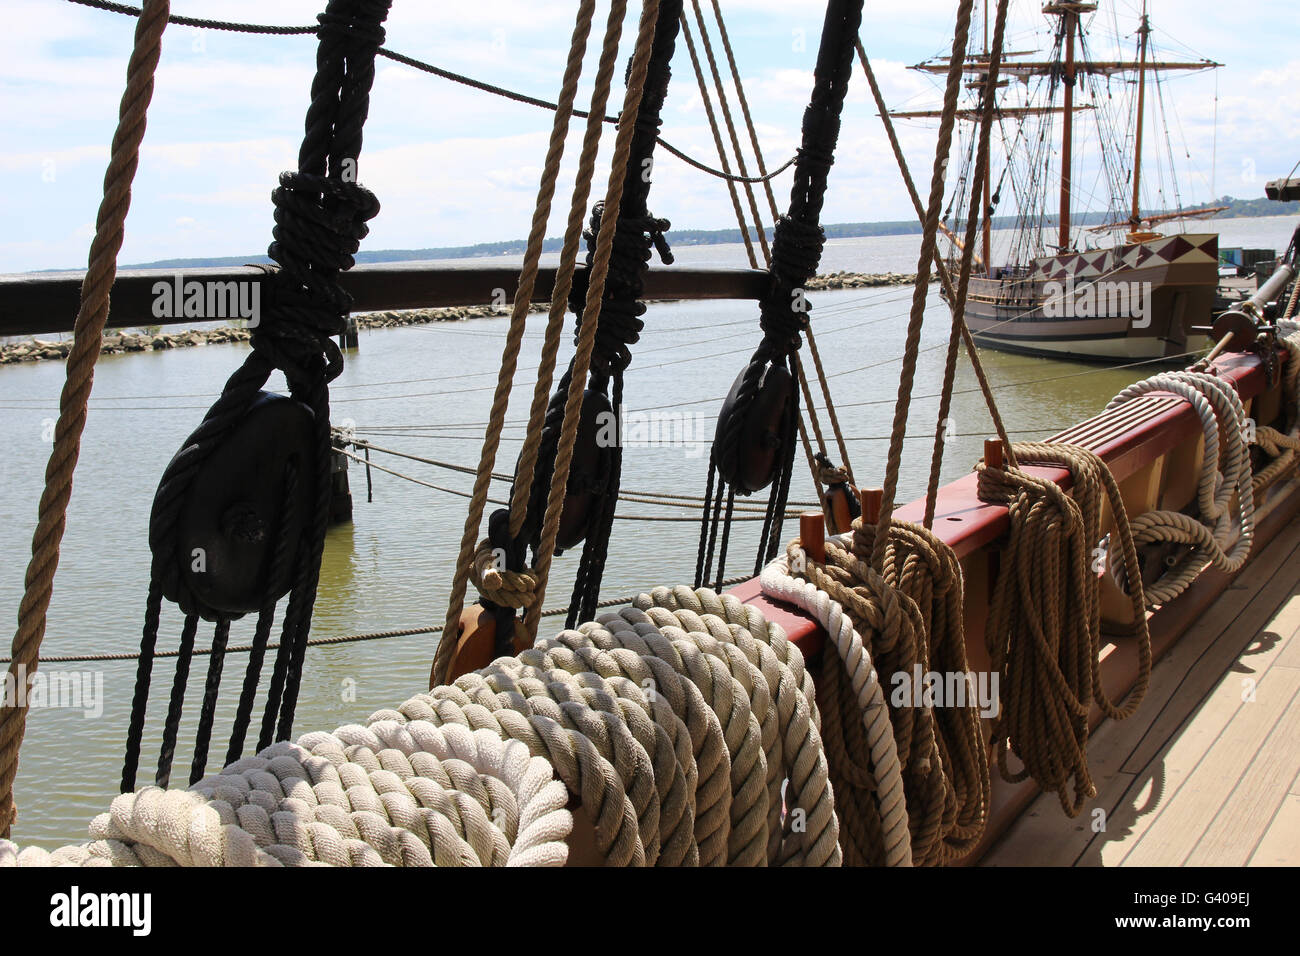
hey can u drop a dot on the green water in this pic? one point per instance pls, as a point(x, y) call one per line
point(391, 567)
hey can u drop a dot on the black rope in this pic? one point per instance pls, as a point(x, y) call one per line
point(797, 244)
point(461, 78)
point(211, 688)
point(320, 219)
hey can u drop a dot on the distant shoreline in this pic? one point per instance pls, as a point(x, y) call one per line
point(1238, 209)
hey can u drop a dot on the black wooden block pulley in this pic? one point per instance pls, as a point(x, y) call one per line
point(589, 472)
point(238, 510)
point(755, 459)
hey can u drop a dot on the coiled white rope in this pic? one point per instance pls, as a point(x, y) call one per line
point(1222, 534)
point(778, 583)
point(686, 726)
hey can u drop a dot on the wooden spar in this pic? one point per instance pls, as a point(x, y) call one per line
point(1162, 217)
point(1136, 218)
point(1071, 17)
point(987, 97)
point(40, 303)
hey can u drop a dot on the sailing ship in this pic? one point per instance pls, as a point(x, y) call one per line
point(758, 726)
point(1132, 299)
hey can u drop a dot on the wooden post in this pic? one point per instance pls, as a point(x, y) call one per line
point(993, 453)
point(872, 499)
point(340, 492)
point(812, 534)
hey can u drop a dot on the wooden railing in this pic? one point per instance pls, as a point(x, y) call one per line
point(1153, 447)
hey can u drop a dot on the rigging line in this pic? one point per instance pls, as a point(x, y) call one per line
point(326, 641)
point(731, 128)
point(640, 497)
point(717, 140)
point(693, 519)
point(270, 29)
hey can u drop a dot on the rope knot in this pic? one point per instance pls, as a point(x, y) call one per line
point(488, 573)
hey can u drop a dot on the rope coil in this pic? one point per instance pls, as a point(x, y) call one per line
point(686, 726)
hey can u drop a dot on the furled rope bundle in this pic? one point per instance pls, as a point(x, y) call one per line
point(880, 834)
point(1216, 536)
point(910, 617)
point(924, 568)
point(1043, 629)
point(686, 726)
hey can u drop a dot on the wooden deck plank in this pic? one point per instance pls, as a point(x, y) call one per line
point(1245, 816)
point(1280, 845)
point(1187, 811)
point(1043, 835)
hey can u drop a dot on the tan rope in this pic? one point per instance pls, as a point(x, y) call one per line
point(979, 178)
point(731, 129)
point(591, 310)
point(518, 323)
point(88, 333)
point(744, 109)
point(527, 466)
point(940, 267)
point(1043, 629)
point(717, 139)
point(920, 293)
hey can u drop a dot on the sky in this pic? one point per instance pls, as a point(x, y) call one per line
point(454, 166)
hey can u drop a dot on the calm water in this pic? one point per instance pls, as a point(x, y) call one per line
point(430, 387)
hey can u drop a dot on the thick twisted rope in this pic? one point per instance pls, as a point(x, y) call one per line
point(470, 556)
point(592, 308)
point(88, 334)
point(1221, 535)
point(883, 838)
point(958, 303)
point(921, 291)
point(940, 266)
point(685, 726)
point(1043, 630)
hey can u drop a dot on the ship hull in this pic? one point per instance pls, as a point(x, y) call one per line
point(1132, 303)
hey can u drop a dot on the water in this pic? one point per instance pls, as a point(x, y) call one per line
point(392, 566)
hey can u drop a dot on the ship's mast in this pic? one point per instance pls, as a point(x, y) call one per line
point(988, 95)
point(1069, 14)
point(1145, 30)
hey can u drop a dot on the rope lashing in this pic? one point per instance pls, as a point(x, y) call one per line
point(88, 332)
point(685, 726)
point(224, 544)
point(1221, 534)
point(646, 86)
point(1043, 630)
point(754, 442)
